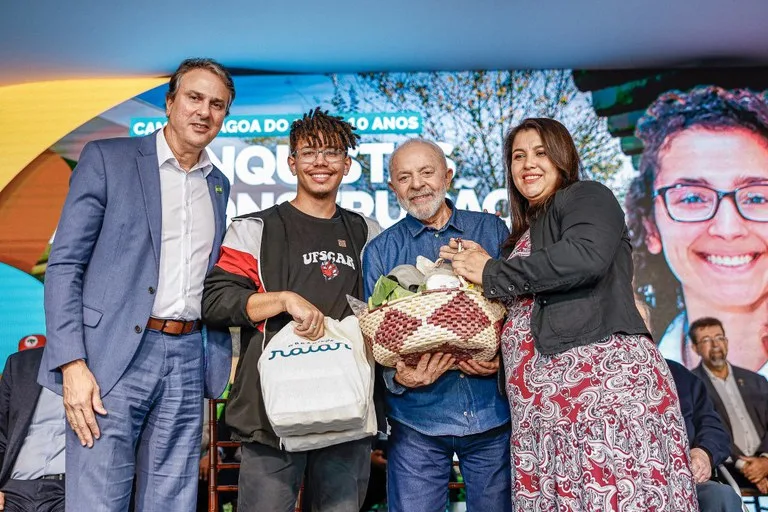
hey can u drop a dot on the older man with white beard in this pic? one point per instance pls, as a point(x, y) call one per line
point(434, 412)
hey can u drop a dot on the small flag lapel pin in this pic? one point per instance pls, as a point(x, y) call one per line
point(219, 189)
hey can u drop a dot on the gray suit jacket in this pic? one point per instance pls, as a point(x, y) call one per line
point(754, 390)
point(104, 265)
point(19, 392)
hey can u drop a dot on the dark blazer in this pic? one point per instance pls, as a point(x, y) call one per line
point(702, 423)
point(19, 392)
point(580, 270)
point(754, 390)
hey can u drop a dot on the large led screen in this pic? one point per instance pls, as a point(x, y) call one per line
point(663, 141)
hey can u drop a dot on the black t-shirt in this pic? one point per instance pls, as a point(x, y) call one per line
point(322, 264)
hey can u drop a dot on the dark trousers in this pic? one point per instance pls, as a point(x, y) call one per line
point(34, 495)
point(336, 477)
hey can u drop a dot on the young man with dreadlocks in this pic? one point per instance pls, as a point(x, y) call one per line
point(294, 261)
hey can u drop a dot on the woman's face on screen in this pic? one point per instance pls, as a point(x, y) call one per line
point(723, 259)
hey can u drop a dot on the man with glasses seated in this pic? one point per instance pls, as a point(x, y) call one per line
point(708, 440)
point(698, 218)
point(741, 399)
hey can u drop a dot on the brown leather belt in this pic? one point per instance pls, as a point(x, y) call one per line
point(173, 327)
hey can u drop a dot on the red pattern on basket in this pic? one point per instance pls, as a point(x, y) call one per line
point(393, 338)
point(462, 316)
point(434, 321)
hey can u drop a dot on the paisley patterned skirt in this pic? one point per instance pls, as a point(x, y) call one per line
point(595, 428)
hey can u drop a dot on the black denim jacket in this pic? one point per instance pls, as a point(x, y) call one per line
point(579, 271)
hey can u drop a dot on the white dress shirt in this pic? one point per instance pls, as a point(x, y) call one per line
point(744, 432)
point(187, 235)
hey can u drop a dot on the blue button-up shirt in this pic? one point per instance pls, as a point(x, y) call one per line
point(456, 404)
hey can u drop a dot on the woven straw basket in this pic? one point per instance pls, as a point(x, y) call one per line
point(458, 321)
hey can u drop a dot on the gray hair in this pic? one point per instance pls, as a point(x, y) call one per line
point(201, 63)
point(437, 150)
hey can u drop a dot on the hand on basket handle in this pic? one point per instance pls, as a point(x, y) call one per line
point(467, 257)
point(459, 248)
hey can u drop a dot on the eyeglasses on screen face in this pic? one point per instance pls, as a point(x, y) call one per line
point(698, 203)
point(309, 155)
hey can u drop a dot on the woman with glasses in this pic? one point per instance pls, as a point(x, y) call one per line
point(698, 216)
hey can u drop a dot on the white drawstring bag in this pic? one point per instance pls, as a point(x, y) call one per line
point(313, 387)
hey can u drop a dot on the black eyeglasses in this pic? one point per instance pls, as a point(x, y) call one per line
point(698, 203)
point(717, 339)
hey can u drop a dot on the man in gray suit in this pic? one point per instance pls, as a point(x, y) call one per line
point(741, 399)
point(141, 226)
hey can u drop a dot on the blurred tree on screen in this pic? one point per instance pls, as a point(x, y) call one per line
point(475, 109)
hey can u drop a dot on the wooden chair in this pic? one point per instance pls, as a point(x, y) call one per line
point(214, 466)
point(456, 485)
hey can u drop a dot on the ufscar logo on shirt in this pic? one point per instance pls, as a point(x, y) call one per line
point(329, 270)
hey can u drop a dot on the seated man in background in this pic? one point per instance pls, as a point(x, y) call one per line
point(32, 435)
point(741, 399)
point(708, 440)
